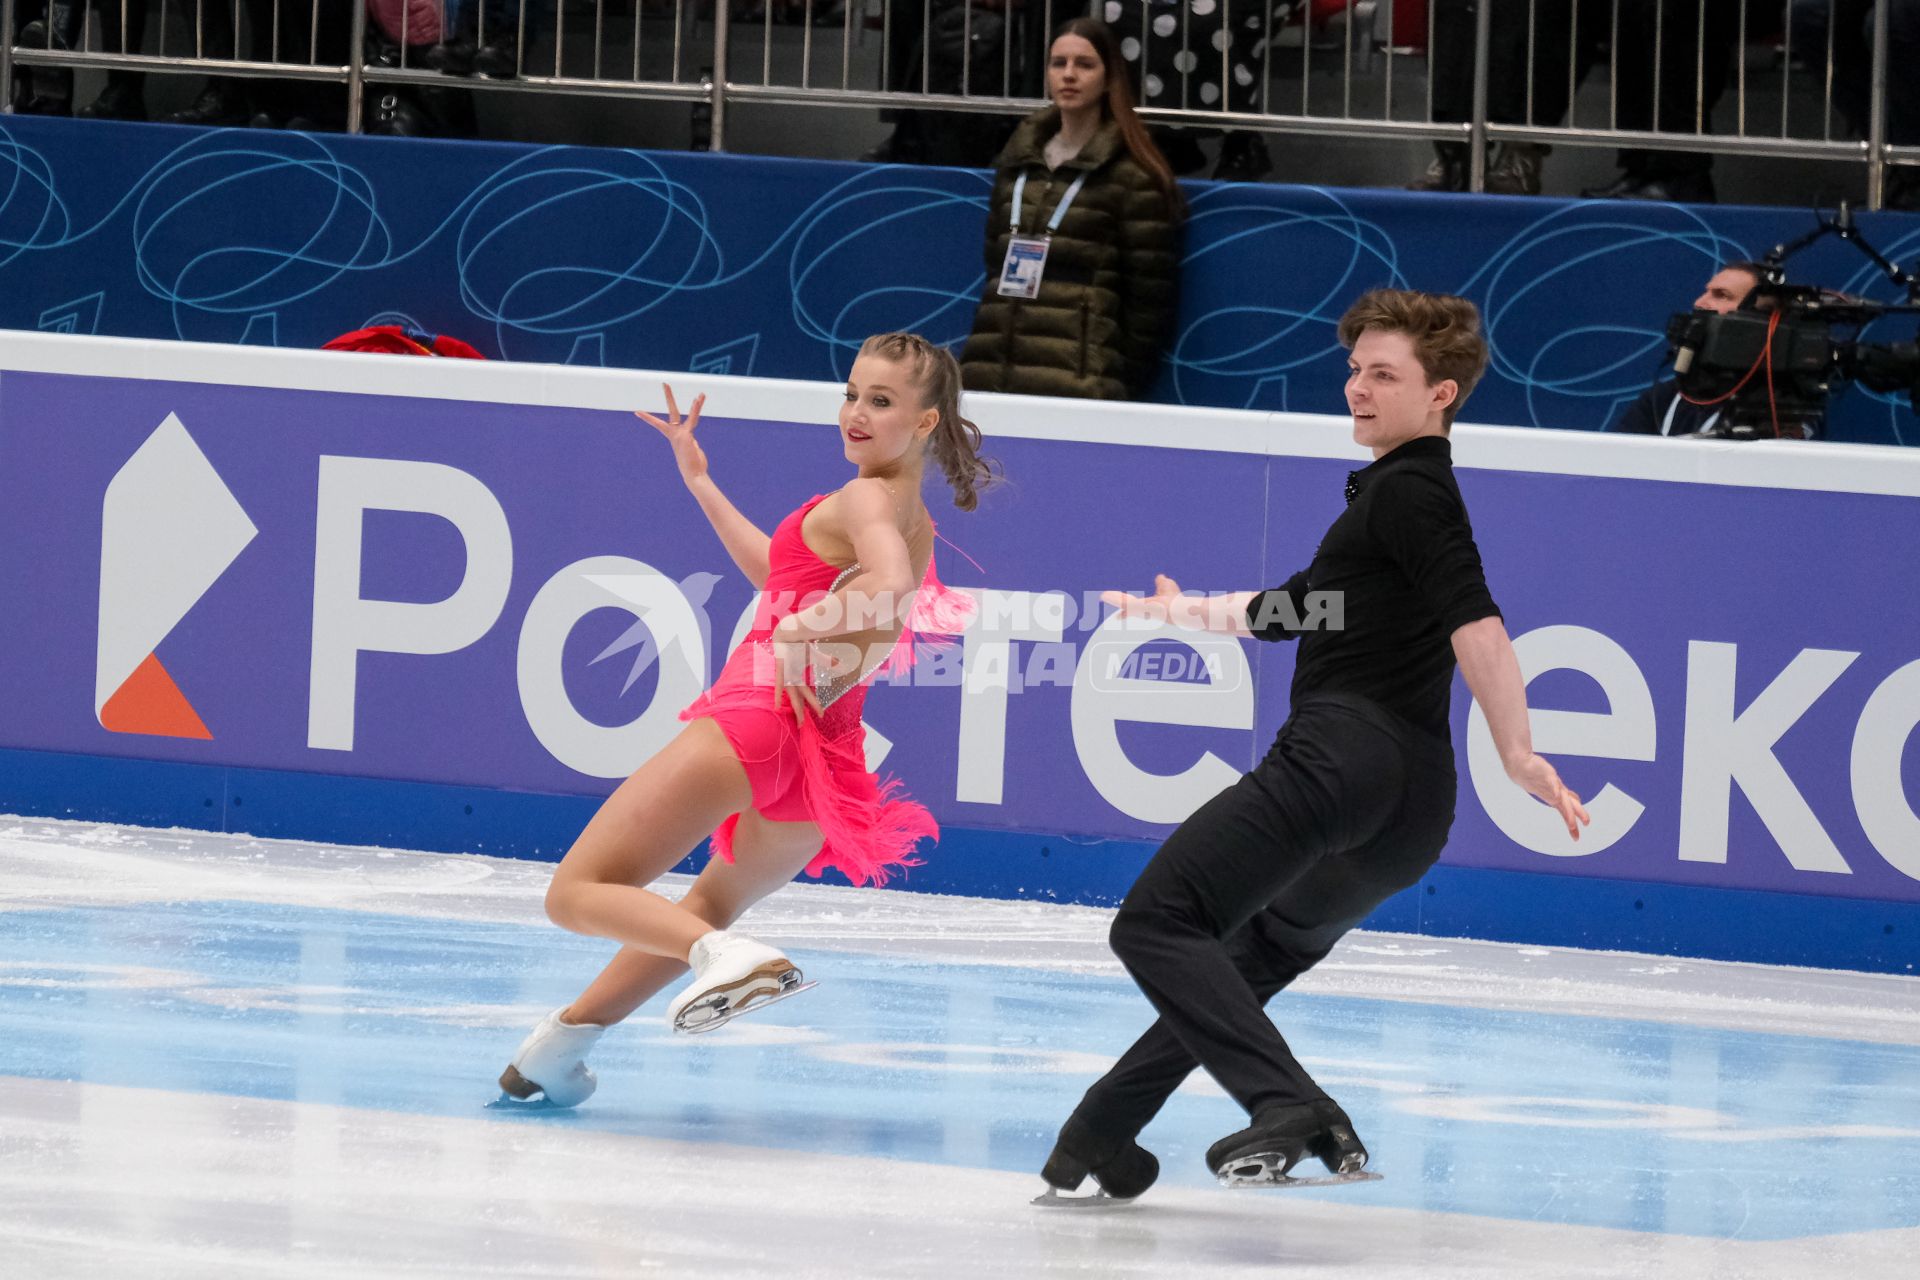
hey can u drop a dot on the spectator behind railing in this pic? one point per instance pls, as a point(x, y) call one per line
point(1083, 239)
point(1693, 41)
point(997, 44)
point(1204, 55)
point(223, 100)
point(1852, 41)
point(309, 31)
point(1519, 34)
point(123, 27)
point(1661, 75)
point(45, 91)
point(414, 34)
point(317, 32)
point(484, 40)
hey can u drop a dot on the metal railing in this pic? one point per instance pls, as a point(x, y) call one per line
point(1665, 72)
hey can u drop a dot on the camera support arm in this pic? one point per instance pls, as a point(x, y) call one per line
point(1841, 224)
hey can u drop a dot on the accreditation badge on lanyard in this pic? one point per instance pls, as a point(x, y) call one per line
point(1027, 255)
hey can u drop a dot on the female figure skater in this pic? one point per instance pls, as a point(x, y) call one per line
point(771, 760)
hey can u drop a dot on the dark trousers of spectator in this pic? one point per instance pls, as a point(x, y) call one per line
point(1852, 37)
point(1350, 806)
point(1661, 74)
point(925, 56)
point(1672, 59)
point(123, 29)
point(1529, 48)
point(45, 90)
point(309, 32)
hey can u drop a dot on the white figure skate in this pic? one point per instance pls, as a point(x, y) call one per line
point(552, 1063)
point(732, 974)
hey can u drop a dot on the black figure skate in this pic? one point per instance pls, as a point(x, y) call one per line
point(1264, 1153)
point(1122, 1169)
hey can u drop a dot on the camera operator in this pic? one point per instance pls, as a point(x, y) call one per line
point(1661, 410)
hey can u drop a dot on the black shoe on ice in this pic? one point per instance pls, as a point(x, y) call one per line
point(1121, 1167)
point(1264, 1153)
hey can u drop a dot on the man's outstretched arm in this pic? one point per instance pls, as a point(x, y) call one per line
point(1492, 672)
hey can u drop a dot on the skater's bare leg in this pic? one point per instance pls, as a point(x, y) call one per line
point(766, 854)
point(652, 821)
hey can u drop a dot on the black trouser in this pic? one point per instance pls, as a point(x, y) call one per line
point(1686, 82)
point(1680, 91)
point(1350, 806)
point(1528, 50)
point(1852, 38)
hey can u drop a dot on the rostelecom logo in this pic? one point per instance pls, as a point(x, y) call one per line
point(169, 527)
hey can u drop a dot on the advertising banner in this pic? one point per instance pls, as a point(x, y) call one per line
point(319, 566)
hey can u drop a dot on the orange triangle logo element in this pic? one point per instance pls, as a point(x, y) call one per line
point(151, 703)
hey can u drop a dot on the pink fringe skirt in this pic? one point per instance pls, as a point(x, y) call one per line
point(813, 772)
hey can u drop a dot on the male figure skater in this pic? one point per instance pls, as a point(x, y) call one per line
point(1353, 801)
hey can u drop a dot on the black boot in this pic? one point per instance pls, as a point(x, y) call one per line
point(1691, 187)
point(1446, 172)
point(1182, 151)
point(499, 57)
point(1123, 1168)
point(1622, 187)
point(1243, 158)
point(1338, 1146)
point(1903, 189)
point(395, 114)
point(222, 102)
point(1267, 1149)
point(1280, 1137)
point(451, 57)
point(42, 91)
point(124, 98)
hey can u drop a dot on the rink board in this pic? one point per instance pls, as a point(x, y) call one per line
point(394, 601)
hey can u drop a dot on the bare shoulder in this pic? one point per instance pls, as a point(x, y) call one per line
point(864, 502)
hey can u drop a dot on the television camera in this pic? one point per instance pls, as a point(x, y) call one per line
point(1776, 360)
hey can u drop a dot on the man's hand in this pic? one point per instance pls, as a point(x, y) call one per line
point(1162, 606)
point(1540, 780)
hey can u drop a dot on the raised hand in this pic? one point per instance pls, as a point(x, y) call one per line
point(1158, 607)
point(687, 453)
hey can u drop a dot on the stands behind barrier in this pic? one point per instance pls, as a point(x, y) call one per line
point(730, 264)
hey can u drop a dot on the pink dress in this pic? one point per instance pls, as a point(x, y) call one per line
point(817, 771)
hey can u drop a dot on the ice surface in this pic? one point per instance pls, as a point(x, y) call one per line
point(226, 1056)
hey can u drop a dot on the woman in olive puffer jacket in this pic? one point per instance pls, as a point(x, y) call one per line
point(1100, 313)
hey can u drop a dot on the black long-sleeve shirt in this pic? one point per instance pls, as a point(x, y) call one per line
point(1403, 558)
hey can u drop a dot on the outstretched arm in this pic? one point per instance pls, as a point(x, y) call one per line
point(742, 538)
point(1492, 673)
point(1224, 613)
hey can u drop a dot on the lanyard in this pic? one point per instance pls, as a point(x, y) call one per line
point(1673, 407)
point(1059, 210)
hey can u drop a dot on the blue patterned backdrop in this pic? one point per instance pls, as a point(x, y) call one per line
point(780, 267)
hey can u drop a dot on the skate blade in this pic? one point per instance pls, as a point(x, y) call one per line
point(539, 1102)
point(1054, 1198)
point(1282, 1181)
point(716, 1011)
point(517, 1093)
